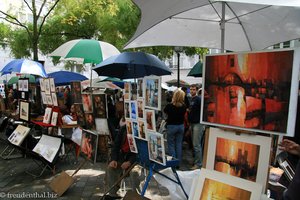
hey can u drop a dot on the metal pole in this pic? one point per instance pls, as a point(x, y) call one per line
point(222, 26)
point(178, 69)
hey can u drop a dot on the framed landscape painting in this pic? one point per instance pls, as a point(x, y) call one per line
point(255, 91)
point(152, 92)
point(244, 156)
point(216, 185)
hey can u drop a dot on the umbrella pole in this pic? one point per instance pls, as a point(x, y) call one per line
point(91, 76)
point(222, 26)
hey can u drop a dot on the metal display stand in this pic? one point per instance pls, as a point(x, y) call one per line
point(153, 167)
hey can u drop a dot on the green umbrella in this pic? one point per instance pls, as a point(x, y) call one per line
point(196, 71)
point(14, 80)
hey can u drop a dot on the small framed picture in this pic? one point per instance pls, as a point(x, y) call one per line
point(127, 92)
point(141, 108)
point(54, 118)
point(127, 109)
point(140, 88)
point(42, 84)
point(132, 143)
point(217, 185)
point(25, 84)
point(49, 100)
point(156, 147)
point(129, 126)
point(52, 85)
point(142, 129)
point(24, 110)
point(54, 99)
point(244, 156)
point(150, 120)
point(89, 144)
point(152, 92)
point(133, 110)
point(47, 116)
point(135, 128)
point(47, 86)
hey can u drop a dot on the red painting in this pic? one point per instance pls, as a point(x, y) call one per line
point(249, 90)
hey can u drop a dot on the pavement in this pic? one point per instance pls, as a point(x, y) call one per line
point(17, 183)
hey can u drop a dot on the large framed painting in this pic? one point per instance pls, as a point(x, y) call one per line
point(255, 91)
point(152, 85)
point(216, 185)
point(245, 156)
point(89, 144)
point(156, 147)
point(24, 110)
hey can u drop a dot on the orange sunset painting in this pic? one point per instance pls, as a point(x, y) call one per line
point(237, 158)
point(217, 190)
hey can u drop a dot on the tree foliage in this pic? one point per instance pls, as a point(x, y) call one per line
point(33, 29)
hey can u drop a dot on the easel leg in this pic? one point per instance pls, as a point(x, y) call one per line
point(179, 182)
point(147, 181)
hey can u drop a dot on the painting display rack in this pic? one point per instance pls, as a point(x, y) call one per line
point(153, 167)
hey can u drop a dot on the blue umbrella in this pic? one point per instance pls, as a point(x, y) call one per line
point(66, 77)
point(24, 66)
point(132, 65)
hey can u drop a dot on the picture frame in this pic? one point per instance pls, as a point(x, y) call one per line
point(42, 84)
point(90, 121)
point(20, 84)
point(47, 115)
point(140, 88)
point(99, 105)
point(156, 147)
point(133, 91)
point(44, 99)
point(52, 85)
point(152, 92)
point(133, 110)
point(48, 147)
point(87, 103)
point(129, 126)
point(24, 111)
point(18, 135)
point(141, 108)
point(250, 154)
point(213, 185)
point(252, 91)
point(54, 99)
point(127, 91)
point(80, 114)
point(89, 144)
point(127, 109)
point(47, 86)
point(135, 128)
point(76, 92)
point(132, 143)
point(150, 120)
point(54, 118)
point(102, 126)
point(25, 84)
point(142, 129)
point(49, 99)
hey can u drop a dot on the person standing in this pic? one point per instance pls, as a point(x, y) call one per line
point(175, 127)
point(197, 129)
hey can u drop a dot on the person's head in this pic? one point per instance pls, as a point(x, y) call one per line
point(73, 108)
point(184, 89)
point(178, 98)
point(193, 90)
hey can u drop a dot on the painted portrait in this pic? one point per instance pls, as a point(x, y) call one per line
point(99, 102)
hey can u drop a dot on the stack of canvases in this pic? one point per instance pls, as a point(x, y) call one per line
point(252, 92)
point(140, 102)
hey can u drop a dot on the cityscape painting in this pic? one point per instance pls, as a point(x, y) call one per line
point(252, 91)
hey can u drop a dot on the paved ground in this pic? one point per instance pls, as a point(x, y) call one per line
point(16, 182)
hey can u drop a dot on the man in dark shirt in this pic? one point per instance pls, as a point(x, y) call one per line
point(197, 129)
point(121, 159)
